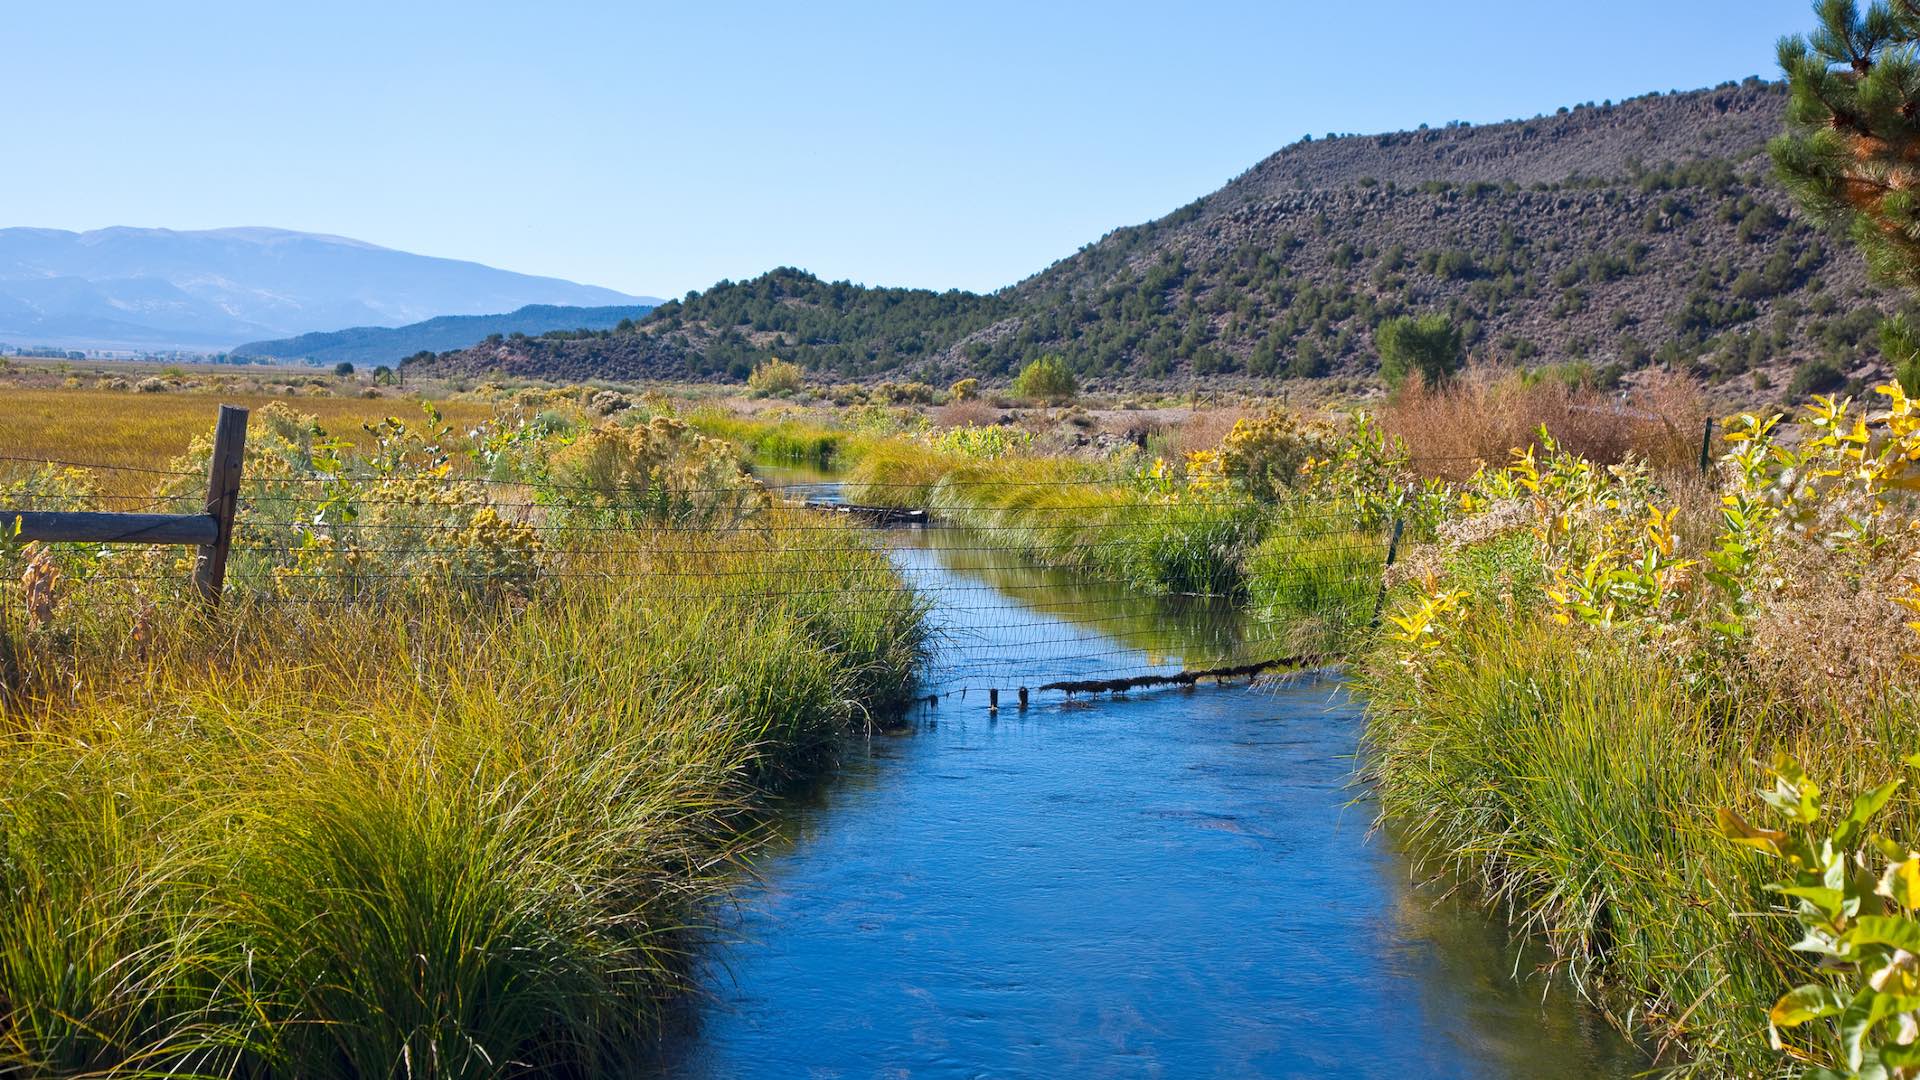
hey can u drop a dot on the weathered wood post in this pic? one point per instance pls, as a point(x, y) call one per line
point(1023, 697)
point(993, 700)
point(1393, 549)
point(1706, 448)
point(223, 498)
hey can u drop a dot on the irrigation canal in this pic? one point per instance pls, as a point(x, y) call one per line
point(1174, 883)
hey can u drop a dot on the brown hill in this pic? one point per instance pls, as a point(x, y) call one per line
point(1622, 235)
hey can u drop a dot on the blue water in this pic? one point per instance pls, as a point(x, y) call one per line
point(1173, 883)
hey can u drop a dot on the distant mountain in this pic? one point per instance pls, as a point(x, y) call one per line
point(159, 288)
point(1631, 233)
point(365, 345)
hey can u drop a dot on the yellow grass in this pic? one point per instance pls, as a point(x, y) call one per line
point(149, 430)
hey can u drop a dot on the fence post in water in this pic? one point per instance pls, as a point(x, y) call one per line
point(993, 700)
point(1706, 448)
point(223, 497)
point(1023, 697)
point(1393, 549)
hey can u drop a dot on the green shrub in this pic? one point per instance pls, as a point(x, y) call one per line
point(1816, 377)
point(774, 378)
point(906, 393)
point(663, 469)
point(1264, 456)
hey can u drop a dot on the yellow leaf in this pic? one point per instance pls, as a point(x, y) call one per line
point(1901, 884)
point(1735, 828)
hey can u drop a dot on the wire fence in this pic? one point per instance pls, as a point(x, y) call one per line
point(1071, 583)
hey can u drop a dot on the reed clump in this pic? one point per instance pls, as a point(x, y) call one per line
point(785, 440)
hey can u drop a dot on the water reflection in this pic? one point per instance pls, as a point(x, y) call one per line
point(1166, 632)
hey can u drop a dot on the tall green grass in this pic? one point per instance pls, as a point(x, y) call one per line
point(425, 838)
point(1067, 513)
point(1318, 579)
point(785, 440)
point(900, 475)
point(1575, 779)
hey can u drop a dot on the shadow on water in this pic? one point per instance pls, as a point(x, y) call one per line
point(1168, 884)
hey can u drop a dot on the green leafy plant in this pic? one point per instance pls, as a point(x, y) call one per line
point(983, 442)
point(1854, 893)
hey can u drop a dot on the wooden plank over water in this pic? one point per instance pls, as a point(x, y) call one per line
point(885, 515)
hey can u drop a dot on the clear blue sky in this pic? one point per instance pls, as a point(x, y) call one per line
point(657, 149)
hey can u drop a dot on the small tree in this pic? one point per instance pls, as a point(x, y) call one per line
point(1427, 345)
point(1853, 119)
point(343, 369)
point(1046, 379)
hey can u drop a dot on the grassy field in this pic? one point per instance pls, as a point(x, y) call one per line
point(150, 430)
point(443, 792)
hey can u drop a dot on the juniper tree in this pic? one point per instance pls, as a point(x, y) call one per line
point(1851, 155)
point(1429, 346)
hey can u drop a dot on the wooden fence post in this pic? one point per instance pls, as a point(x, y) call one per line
point(223, 497)
point(1393, 549)
point(1706, 448)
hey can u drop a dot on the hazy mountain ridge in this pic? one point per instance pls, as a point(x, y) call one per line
point(363, 345)
point(127, 287)
point(1649, 230)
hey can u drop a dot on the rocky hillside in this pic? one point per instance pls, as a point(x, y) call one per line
point(1586, 140)
point(1621, 235)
